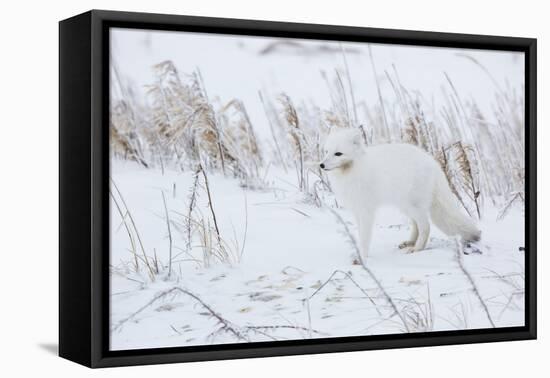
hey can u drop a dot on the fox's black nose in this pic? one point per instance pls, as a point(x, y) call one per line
point(322, 165)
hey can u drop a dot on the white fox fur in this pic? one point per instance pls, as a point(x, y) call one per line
point(402, 175)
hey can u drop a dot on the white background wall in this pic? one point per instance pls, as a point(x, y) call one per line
point(29, 189)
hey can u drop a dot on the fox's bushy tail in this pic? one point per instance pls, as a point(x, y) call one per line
point(447, 215)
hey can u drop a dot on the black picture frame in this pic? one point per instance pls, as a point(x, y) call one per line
point(83, 181)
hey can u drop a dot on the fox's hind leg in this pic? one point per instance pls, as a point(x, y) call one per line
point(412, 239)
point(423, 225)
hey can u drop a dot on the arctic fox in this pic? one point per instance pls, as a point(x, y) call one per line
point(402, 175)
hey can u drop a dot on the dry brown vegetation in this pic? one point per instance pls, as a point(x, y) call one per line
point(180, 126)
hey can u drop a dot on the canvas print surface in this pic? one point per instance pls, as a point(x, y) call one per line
point(266, 189)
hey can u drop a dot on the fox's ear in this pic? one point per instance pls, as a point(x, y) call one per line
point(358, 138)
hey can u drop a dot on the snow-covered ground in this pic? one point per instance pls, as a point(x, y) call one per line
point(280, 288)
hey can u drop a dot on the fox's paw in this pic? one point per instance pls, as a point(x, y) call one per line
point(469, 248)
point(413, 249)
point(406, 244)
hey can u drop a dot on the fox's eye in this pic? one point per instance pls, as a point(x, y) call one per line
point(337, 154)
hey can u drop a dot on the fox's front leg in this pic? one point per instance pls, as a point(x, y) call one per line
point(365, 232)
